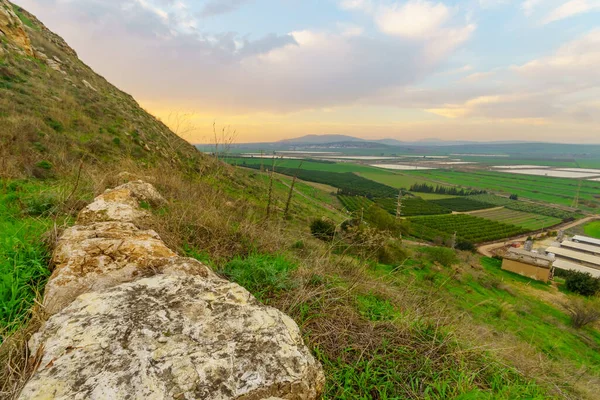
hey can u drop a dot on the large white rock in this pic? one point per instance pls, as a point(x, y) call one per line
point(133, 320)
point(172, 337)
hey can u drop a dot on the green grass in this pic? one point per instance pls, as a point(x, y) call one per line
point(525, 220)
point(24, 218)
point(262, 274)
point(592, 229)
point(26, 20)
point(433, 196)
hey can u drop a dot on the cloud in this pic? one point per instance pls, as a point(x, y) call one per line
point(572, 8)
point(529, 6)
point(563, 86)
point(414, 19)
point(216, 7)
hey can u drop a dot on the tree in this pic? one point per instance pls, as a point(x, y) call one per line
point(582, 283)
point(514, 196)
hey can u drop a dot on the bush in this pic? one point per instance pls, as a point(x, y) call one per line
point(465, 245)
point(392, 253)
point(323, 229)
point(583, 312)
point(582, 283)
point(262, 274)
point(514, 196)
point(442, 255)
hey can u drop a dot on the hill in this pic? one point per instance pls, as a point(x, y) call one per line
point(56, 111)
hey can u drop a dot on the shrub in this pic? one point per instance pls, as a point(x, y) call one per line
point(323, 229)
point(514, 196)
point(583, 312)
point(465, 245)
point(47, 165)
point(582, 283)
point(442, 255)
point(392, 253)
point(262, 274)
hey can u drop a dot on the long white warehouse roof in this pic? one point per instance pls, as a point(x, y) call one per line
point(581, 246)
point(587, 240)
point(571, 266)
point(575, 255)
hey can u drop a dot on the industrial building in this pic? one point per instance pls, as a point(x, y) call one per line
point(581, 253)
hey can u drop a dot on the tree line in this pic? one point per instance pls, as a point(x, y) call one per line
point(425, 188)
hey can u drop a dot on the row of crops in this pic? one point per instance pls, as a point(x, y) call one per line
point(523, 206)
point(355, 203)
point(467, 227)
point(347, 182)
point(412, 206)
point(462, 204)
point(525, 220)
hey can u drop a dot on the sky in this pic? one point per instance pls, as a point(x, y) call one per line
point(486, 70)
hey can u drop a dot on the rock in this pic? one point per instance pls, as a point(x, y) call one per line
point(12, 28)
point(130, 319)
point(172, 337)
point(88, 85)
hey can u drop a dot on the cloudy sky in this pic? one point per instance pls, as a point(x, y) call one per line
point(274, 69)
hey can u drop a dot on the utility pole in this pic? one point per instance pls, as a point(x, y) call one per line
point(399, 205)
point(454, 240)
point(576, 199)
point(289, 199)
point(270, 188)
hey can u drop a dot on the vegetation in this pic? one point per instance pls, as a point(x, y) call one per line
point(467, 227)
point(461, 204)
point(263, 275)
point(583, 312)
point(348, 183)
point(559, 191)
point(592, 229)
point(531, 222)
point(527, 207)
point(355, 203)
point(454, 191)
point(582, 283)
point(323, 229)
point(412, 206)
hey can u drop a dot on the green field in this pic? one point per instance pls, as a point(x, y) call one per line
point(525, 220)
point(467, 227)
point(412, 206)
point(525, 206)
point(355, 203)
point(592, 229)
point(462, 204)
point(433, 196)
point(551, 190)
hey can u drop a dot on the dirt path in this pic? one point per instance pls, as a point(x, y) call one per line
point(488, 248)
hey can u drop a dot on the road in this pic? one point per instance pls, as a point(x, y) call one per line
point(488, 248)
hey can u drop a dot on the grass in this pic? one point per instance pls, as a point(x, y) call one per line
point(529, 221)
point(24, 255)
point(592, 229)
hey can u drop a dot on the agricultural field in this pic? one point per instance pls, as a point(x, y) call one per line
point(524, 206)
point(412, 206)
point(529, 221)
point(432, 196)
point(467, 227)
point(462, 204)
point(551, 190)
point(592, 229)
point(348, 183)
point(355, 203)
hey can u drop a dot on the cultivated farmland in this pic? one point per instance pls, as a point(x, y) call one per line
point(467, 227)
point(525, 220)
point(524, 206)
point(412, 206)
point(462, 204)
point(355, 203)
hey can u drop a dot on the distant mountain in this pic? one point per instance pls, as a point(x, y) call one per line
point(321, 139)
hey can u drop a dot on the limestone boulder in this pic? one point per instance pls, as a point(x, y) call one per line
point(12, 28)
point(172, 337)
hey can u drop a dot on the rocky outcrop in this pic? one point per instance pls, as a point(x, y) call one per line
point(11, 27)
point(133, 320)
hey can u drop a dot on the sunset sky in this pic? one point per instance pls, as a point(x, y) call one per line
point(274, 69)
